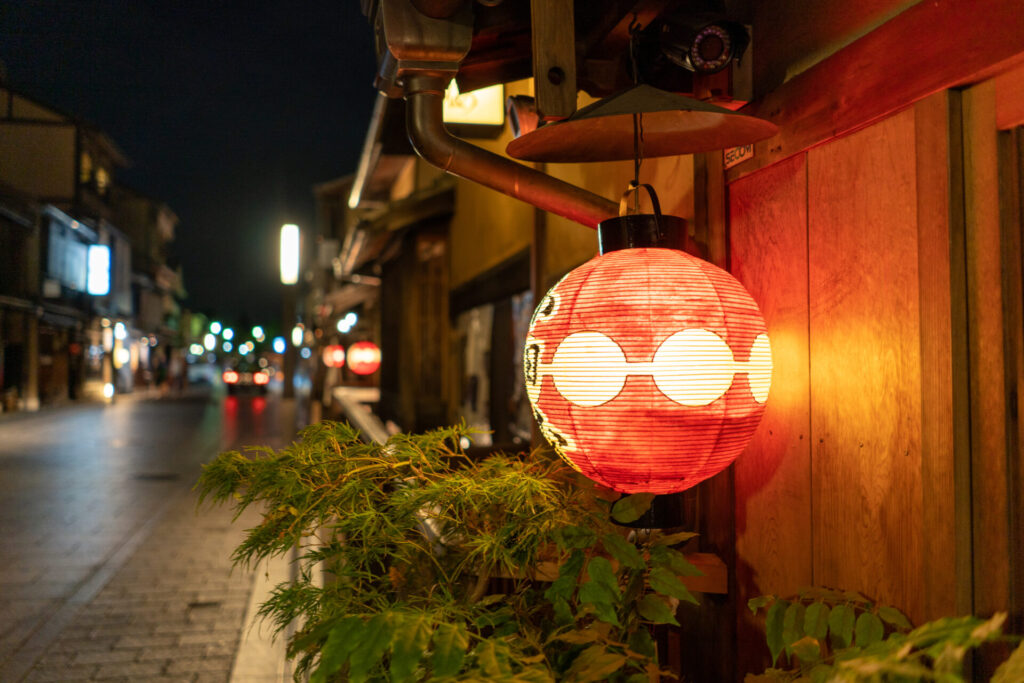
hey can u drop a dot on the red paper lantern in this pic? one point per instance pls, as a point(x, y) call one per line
point(334, 356)
point(363, 358)
point(648, 369)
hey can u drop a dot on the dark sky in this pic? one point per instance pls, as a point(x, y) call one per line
point(229, 111)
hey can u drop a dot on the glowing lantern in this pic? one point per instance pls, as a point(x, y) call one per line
point(648, 369)
point(334, 356)
point(363, 358)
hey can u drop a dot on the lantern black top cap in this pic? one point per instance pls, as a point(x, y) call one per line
point(671, 124)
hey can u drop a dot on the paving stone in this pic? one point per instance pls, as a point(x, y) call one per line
point(129, 671)
point(105, 657)
point(169, 653)
point(203, 664)
point(62, 673)
point(145, 642)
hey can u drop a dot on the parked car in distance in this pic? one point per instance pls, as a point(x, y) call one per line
point(242, 376)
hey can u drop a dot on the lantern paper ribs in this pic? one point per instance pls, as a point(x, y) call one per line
point(648, 369)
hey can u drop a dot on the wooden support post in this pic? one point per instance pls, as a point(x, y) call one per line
point(554, 58)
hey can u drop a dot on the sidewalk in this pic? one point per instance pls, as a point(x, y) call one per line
point(172, 612)
point(167, 605)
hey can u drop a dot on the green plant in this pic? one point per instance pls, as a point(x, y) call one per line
point(413, 533)
point(830, 636)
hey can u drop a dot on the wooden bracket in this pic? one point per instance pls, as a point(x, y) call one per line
point(554, 58)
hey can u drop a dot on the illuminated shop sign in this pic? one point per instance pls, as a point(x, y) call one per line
point(99, 270)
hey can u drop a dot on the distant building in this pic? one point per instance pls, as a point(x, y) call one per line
point(75, 316)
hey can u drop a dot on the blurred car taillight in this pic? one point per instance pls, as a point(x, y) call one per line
point(260, 377)
point(230, 377)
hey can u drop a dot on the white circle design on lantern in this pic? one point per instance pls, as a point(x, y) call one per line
point(588, 368)
point(692, 367)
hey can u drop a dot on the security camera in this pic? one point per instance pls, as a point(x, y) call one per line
point(703, 49)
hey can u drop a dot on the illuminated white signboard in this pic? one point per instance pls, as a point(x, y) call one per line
point(98, 283)
point(485, 106)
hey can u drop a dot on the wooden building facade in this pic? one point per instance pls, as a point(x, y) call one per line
point(881, 233)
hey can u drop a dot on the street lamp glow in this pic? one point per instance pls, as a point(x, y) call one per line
point(297, 334)
point(306, 352)
point(120, 331)
point(209, 342)
point(228, 333)
point(227, 346)
point(279, 345)
point(289, 254)
point(257, 333)
point(215, 327)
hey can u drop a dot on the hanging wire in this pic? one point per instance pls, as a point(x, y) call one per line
point(638, 126)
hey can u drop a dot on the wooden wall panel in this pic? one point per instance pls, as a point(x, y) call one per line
point(768, 251)
point(865, 363)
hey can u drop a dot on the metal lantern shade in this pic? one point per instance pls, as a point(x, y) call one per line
point(648, 369)
point(670, 124)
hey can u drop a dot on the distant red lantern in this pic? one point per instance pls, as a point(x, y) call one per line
point(363, 358)
point(334, 356)
point(648, 369)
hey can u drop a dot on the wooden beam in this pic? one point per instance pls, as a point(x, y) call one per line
point(1010, 98)
point(554, 58)
point(929, 47)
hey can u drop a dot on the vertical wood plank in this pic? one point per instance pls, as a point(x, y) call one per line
point(866, 363)
point(932, 126)
point(986, 355)
point(1011, 144)
point(964, 559)
point(768, 254)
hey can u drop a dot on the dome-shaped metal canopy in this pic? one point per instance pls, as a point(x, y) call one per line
point(671, 124)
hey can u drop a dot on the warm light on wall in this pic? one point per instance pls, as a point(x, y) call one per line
point(289, 254)
point(363, 358)
point(648, 369)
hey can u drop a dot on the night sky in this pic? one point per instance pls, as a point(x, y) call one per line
point(229, 112)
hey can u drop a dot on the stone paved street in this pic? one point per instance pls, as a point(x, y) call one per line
point(107, 570)
point(174, 611)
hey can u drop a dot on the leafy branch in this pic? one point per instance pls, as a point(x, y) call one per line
point(436, 561)
point(830, 636)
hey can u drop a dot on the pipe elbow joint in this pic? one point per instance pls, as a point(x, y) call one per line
point(427, 133)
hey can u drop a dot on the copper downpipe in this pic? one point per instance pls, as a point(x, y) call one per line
point(424, 95)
